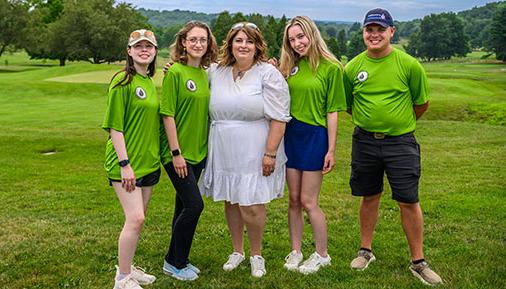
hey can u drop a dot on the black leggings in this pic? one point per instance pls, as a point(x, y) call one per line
point(189, 206)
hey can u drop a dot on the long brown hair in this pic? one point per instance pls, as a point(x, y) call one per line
point(130, 71)
point(317, 46)
point(178, 52)
point(226, 56)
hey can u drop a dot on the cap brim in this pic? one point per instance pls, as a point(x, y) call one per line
point(140, 39)
point(382, 24)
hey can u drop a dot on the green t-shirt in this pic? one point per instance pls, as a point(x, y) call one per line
point(134, 110)
point(382, 91)
point(313, 95)
point(185, 96)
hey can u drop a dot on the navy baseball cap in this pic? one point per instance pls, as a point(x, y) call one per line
point(378, 16)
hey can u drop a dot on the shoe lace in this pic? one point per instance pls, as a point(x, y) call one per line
point(234, 258)
point(291, 258)
point(312, 261)
point(258, 264)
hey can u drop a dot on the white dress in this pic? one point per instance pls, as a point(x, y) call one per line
point(240, 113)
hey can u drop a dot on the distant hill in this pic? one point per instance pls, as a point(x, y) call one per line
point(175, 17)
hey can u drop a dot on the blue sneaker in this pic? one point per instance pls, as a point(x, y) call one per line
point(185, 274)
point(193, 268)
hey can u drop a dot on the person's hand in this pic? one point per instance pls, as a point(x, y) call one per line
point(268, 165)
point(328, 163)
point(273, 61)
point(128, 178)
point(167, 66)
point(180, 166)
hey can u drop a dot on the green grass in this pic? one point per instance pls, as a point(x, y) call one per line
point(60, 219)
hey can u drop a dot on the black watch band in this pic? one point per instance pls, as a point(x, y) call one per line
point(175, 152)
point(124, 163)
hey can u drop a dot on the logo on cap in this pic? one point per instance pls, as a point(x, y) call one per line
point(190, 84)
point(294, 71)
point(362, 76)
point(140, 93)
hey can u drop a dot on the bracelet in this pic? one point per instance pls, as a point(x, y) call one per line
point(270, 156)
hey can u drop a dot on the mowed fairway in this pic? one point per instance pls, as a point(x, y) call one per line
point(60, 219)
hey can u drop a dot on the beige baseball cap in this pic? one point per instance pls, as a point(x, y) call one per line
point(142, 34)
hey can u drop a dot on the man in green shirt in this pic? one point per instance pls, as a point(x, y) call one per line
point(386, 92)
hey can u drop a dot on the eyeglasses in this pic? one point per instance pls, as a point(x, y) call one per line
point(194, 40)
point(240, 25)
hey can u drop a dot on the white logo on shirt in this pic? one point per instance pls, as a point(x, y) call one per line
point(362, 76)
point(140, 92)
point(294, 71)
point(190, 84)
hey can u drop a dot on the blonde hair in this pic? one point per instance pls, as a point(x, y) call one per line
point(317, 46)
point(226, 56)
point(178, 51)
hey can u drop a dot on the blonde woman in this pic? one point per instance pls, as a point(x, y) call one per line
point(315, 79)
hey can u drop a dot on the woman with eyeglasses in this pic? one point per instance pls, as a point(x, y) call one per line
point(132, 151)
point(249, 108)
point(315, 79)
point(184, 109)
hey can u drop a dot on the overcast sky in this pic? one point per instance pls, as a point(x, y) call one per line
point(344, 10)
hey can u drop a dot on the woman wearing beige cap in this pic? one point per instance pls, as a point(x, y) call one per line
point(132, 151)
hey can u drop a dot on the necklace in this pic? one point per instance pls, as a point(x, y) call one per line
point(239, 73)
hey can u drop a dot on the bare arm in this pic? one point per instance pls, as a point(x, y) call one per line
point(329, 162)
point(127, 173)
point(276, 132)
point(171, 132)
point(420, 109)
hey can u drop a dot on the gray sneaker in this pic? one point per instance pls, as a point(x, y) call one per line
point(423, 272)
point(362, 261)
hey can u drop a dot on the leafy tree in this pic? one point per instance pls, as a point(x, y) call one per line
point(341, 41)
point(270, 37)
point(258, 19)
point(331, 31)
point(497, 34)
point(13, 21)
point(238, 17)
point(221, 26)
point(354, 28)
point(334, 47)
point(356, 45)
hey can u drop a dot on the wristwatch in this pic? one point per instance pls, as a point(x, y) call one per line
point(175, 152)
point(124, 163)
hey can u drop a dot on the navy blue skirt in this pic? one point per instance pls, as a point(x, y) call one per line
point(305, 146)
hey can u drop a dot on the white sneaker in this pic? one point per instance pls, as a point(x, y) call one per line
point(257, 266)
point(233, 261)
point(140, 275)
point(313, 263)
point(126, 283)
point(293, 260)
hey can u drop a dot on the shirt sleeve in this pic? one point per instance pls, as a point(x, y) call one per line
point(348, 87)
point(116, 106)
point(418, 84)
point(336, 100)
point(170, 87)
point(276, 95)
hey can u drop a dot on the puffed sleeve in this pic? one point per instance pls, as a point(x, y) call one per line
point(276, 94)
point(210, 70)
point(116, 105)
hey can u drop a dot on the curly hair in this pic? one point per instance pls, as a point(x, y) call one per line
point(178, 52)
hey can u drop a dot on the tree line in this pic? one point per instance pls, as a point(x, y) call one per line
point(96, 30)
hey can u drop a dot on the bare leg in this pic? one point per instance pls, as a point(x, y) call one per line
point(133, 208)
point(295, 215)
point(310, 190)
point(412, 223)
point(235, 224)
point(254, 217)
point(368, 218)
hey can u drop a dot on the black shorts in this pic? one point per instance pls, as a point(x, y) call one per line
point(148, 180)
point(398, 156)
